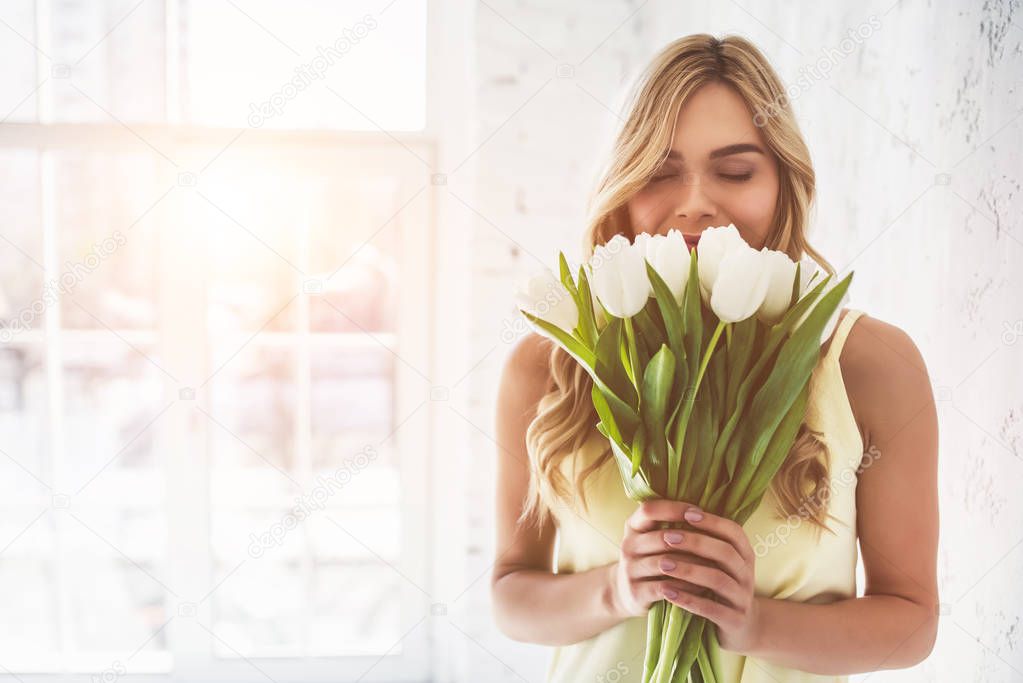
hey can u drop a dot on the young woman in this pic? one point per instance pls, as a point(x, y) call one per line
point(710, 140)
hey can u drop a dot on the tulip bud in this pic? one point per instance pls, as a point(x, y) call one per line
point(619, 276)
point(714, 244)
point(781, 274)
point(544, 296)
point(669, 257)
point(740, 286)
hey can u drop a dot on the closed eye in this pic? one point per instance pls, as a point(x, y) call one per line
point(736, 178)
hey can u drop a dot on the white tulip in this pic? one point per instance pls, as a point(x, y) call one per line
point(619, 276)
point(710, 251)
point(810, 275)
point(669, 257)
point(544, 296)
point(741, 284)
point(781, 274)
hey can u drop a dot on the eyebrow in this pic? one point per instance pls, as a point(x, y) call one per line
point(738, 148)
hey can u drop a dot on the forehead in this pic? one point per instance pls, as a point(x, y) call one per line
point(713, 117)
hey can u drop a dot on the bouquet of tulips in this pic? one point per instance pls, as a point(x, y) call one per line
point(688, 416)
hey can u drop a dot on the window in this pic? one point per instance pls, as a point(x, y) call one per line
point(212, 289)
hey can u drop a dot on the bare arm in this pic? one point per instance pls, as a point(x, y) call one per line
point(894, 624)
point(531, 603)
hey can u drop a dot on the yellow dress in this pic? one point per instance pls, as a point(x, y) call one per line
point(793, 562)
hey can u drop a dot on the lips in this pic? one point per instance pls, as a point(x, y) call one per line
point(691, 240)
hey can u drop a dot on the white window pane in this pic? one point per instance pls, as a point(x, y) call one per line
point(107, 219)
point(29, 626)
point(356, 610)
point(118, 585)
point(24, 425)
point(18, 79)
point(356, 253)
point(352, 403)
point(108, 61)
point(22, 305)
point(252, 410)
point(112, 400)
point(261, 610)
point(284, 56)
point(248, 215)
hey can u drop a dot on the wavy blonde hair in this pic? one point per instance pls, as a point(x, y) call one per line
point(566, 418)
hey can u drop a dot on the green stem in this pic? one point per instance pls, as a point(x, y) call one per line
point(654, 628)
point(677, 622)
point(687, 408)
point(630, 340)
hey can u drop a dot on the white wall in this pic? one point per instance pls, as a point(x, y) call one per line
point(916, 139)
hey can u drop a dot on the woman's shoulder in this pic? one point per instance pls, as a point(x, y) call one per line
point(884, 373)
point(527, 367)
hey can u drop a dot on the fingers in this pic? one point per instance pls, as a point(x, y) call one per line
point(722, 615)
point(725, 529)
point(711, 548)
point(701, 576)
point(652, 542)
point(649, 515)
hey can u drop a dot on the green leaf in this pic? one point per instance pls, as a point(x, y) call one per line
point(605, 414)
point(701, 438)
point(747, 498)
point(754, 378)
point(739, 358)
point(609, 366)
point(625, 413)
point(636, 485)
point(654, 392)
point(567, 341)
point(584, 301)
point(795, 285)
point(638, 448)
point(796, 360)
point(657, 382)
point(566, 276)
point(692, 318)
point(648, 336)
point(671, 314)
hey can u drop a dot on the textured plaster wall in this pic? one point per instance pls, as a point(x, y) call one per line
point(916, 135)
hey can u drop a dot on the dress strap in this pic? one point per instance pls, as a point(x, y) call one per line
point(841, 332)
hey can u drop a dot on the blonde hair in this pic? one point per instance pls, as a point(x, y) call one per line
point(566, 418)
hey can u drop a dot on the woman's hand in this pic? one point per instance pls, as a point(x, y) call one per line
point(709, 571)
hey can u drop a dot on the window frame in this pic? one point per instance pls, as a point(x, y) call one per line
point(189, 563)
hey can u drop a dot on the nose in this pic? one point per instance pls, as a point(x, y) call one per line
point(694, 208)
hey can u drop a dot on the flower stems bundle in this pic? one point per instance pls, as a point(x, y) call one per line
point(700, 361)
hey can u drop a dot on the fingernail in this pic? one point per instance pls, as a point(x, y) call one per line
point(670, 593)
point(673, 537)
point(666, 564)
point(693, 515)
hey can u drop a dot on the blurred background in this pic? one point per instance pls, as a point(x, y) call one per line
point(255, 274)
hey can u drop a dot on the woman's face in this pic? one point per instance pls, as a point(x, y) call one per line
point(718, 171)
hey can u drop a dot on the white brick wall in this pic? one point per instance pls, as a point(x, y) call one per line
point(933, 90)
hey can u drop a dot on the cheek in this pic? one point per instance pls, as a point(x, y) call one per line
point(753, 204)
point(647, 210)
